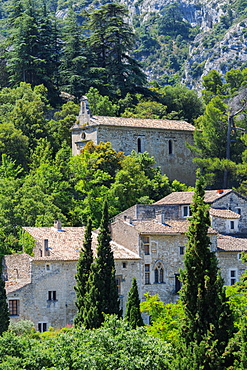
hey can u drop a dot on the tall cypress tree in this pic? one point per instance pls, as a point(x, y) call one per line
point(4, 311)
point(133, 313)
point(207, 313)
point(83, 270)
point(101, 290)
point(106, 269)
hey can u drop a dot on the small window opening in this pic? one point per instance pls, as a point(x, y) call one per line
point(147, 274)
point(170, 145)
point(42, 326)
point(181, 250)
point(52, 295)
point(14, 307)
point(178, 283)
point(139, 145)
point(232, 225)
point(124, 265)
point(233, 277)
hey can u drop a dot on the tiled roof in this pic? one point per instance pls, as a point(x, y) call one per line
point(65, 244)
point(13, 285)
point(185, 197)
point(223, 213)
point(138, 122)
point(169, 227)
point(232, 242)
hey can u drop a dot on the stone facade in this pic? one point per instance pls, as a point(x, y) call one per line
point(164, 139)
point(148, 242)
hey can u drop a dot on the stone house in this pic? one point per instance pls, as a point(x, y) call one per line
point(163, 139)
point(148, 242)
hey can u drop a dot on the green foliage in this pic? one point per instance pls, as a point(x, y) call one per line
point(165, 318)
point(101, 105)
point(21, 327)
point(207, 313)
point(111, 347)
point(83, 270)
point(133, 314)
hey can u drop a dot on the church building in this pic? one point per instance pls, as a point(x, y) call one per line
point(165, 140)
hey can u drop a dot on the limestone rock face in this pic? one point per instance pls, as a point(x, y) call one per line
point(212, 48)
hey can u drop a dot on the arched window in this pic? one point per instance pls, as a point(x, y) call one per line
point(159, 273)
point(139, 145)
point(170, 146)
point(156, 275)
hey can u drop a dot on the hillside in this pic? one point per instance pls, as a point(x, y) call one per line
point(177, 40)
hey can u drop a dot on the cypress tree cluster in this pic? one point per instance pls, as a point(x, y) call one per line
point(133, 313)
point(97, 289)
point(83, 270)
point(4, 311)
point(207, 314)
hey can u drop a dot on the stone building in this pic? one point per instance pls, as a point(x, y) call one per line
point(163, 139)
point(148, 243)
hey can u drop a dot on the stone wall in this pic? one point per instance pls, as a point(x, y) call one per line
point(230, 261)
point(236, 203)
point(176, 165)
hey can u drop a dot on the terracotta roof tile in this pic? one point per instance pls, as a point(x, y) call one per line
point(223, 213)
point(65, 244)
point(185, 197)
point(169, 227)
point(232, 242)
point(138, 122)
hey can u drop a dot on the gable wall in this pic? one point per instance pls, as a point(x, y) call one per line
point(233, 201)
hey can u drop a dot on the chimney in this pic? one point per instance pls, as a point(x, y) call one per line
point(128, 219)
point(45, 248)
point(57, 225)
point(160, 217)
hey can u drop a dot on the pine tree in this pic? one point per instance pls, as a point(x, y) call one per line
point(207, 313)
point(111, 40)
point(83, 270)
point(133, 314)
point(106, 269)
point(4, 311)
point(74, 58)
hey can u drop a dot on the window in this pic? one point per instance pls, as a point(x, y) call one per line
point(239, 211)
point(147, 274)
point(239, 256)
point(118, 283)
point(181, 250)
point(178, 283)
point(52, 295)
point(233, 277)
point(42, 326)
point(186, 211)
point(159, 273)
point(146, 247)
point(124, 265)
point(139, 145)
point(48, 267)
point(170, 147)
point(83, 135)
point(14, 307)
point(232, 226)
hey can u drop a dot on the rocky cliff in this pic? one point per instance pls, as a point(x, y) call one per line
point(220, 42)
